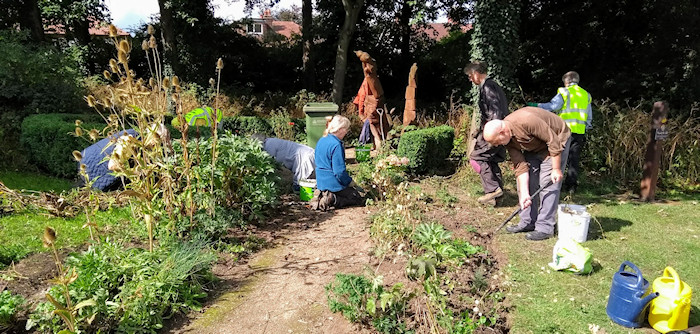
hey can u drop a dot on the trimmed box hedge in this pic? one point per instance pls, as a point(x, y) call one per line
point(49, 144)
point(428, 148)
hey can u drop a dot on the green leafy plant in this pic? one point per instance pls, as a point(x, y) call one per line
point(439, 243)
point(130, 290)
point(428, 235)
point(446, 197)
point(10, 305)
point(420, 268)
point(282, 125)
point(244, 176)
point(366, 301)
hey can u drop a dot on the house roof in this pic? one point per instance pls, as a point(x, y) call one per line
point(438, 31)
point(286, 28)
point(96, 29)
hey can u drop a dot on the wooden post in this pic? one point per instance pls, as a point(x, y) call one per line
point(657, 134)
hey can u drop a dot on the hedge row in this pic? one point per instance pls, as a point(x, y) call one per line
point(428, 148)
point(48, 142)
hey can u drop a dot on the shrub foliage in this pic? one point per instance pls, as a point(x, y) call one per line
point(427, 148)
point(48, 140)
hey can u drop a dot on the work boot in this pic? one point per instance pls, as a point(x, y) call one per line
point(518, 229)
point(491, 197)
point(537, 236)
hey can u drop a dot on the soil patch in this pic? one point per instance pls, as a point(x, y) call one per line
point(281, 289)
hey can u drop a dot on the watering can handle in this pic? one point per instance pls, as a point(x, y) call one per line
point(670, 272)
point(639, 273)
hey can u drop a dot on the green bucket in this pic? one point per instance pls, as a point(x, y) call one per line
point(362, 152)
point(306, 189)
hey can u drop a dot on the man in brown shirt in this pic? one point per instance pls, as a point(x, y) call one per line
point(538, 144)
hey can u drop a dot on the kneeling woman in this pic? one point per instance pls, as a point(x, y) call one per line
point(332, 180)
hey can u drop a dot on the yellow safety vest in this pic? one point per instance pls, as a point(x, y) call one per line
point(202, 116)
point(575, 108)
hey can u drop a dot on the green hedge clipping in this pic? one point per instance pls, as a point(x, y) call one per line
point(49, 144)
point(427, 148)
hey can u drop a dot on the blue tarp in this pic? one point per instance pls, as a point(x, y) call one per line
point(96, 169)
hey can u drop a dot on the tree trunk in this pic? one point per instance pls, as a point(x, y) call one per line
point(405, 46)
point(168, 34)
point(32, 19)
point(307, 40)
point(81, 33)
point(352, 12)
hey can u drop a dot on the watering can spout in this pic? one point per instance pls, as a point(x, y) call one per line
point(649, 297)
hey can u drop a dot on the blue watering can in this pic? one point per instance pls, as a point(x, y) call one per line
point(629, 297)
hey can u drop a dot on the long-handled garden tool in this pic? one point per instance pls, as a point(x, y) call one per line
point(517, 211)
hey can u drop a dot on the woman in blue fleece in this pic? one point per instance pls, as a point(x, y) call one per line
point(335, 186)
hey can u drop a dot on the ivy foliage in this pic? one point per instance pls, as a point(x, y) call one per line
point(495, 40)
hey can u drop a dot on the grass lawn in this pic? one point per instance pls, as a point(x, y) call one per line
point(652, 236)
point(33, 181)
point(21, 233)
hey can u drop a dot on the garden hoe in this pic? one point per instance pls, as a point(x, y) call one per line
point(517, 211)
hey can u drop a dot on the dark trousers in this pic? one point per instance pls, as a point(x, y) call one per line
point(543, 210)
point(578, 141)
point(487, 158)
point(348, 197)
point(326, 200)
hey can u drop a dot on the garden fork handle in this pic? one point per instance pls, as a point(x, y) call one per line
point(517, 211)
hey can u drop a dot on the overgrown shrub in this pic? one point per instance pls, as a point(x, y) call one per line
point(247, 125)
point(245, 178)
point(426, 149)
point(35, 79)
point(617, 144)
point(10, 305)
point(133, 290)
point(49, 142)
point(279, 125)
point(366, 301)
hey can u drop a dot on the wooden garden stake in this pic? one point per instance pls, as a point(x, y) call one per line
point(657, 134)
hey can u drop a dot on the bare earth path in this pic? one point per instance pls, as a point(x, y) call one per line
point(281, 290)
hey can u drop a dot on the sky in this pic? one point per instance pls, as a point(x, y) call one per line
point(128, 14)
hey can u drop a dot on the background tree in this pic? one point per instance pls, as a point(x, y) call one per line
point(76, 17)
point(352, 11)
point(623, 50)
point(495, 39)
point(167, 24)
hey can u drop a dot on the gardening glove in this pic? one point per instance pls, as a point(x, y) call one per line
point(531, 104)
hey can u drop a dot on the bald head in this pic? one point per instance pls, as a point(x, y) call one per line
point(496, 132)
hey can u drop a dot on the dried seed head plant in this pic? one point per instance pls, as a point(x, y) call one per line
point(160, 180)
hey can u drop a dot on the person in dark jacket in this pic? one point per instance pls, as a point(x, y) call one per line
point(334, 185)
point(485, 157)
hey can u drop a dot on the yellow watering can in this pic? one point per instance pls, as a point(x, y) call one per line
point(671, 309)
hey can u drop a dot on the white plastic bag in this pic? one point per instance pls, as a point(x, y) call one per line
point(569, 255)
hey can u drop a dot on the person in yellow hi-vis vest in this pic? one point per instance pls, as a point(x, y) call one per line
point(201, 117)
point(573, 104)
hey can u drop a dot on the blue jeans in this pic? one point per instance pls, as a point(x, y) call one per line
point(543, 209)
